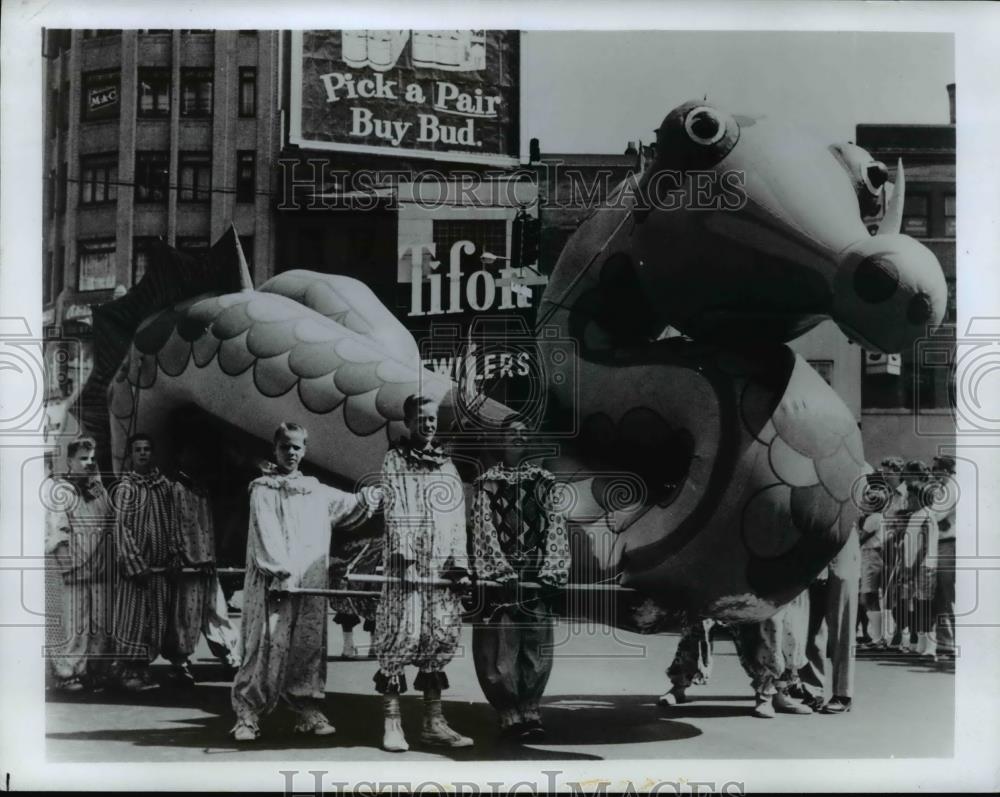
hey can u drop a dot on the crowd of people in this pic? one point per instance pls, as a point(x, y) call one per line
point(135, 577)
point(893, 581)
point(133, 573)
point(908, 561)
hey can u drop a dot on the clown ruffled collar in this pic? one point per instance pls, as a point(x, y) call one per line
point(90, 486)
point(294, 483)
point(152, 479)
point(433, 456)
point(503, 473)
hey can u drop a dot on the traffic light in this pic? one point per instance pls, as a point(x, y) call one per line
point(530, 240)
point(525, 240)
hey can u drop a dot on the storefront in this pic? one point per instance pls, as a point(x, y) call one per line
point(401, 169)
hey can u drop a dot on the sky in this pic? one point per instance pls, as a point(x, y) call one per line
point(592, 92)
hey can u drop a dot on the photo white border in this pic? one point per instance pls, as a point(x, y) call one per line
point(976, 27)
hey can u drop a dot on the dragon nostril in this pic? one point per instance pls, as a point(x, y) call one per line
point(920, 309)
point(875, 279)
point(878, 174)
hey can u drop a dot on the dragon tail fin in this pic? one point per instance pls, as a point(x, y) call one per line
point(171, 277)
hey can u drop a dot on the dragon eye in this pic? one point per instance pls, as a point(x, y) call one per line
point(695, 135)
point(704, 125)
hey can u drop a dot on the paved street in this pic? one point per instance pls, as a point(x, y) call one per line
point(600, 704)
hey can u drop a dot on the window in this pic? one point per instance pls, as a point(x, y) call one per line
point(192, 244)
point(57, 41)
point(949, 216)
point(53, 112)
point(246, 175)
point(57, 268)
point(100, 34)
point(923, 387)
point(52, 187)
point(142, 256)
point(196, 92)
point(64, 106)
point(97, 264)
point(63, 187)
point(195, 176)
point(152, 170)
point(915, 215)
point(98, 179)
point(487, 236)
point(248, 91)
point(154, 92)
point(248, 32)
point(154, 31)
point(100, 96)
point(47, 279)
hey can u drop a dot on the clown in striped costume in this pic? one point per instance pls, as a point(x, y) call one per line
point(199, 606)
point(78, 538)
point(146, 540)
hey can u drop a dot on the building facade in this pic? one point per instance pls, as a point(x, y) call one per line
point(908, 401)
point(149, 134)
point(400, 168)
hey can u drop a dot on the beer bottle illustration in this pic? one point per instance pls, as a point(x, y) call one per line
point(376, 49)
point(450, 50)
point(354, 48)
point(423, 50)
point(476, 59)
point(446, 49)
point(384, 48)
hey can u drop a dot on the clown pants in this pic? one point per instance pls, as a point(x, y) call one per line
point(512, 652)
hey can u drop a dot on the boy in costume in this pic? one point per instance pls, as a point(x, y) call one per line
point(519, 534)
point(284, 634)
point(425, 538)
point(78, 534)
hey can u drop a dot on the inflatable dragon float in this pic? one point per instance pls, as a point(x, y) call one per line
point(738, 461)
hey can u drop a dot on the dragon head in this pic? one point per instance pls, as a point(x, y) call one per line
point(749, 229)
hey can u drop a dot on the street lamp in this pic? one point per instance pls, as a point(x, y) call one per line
point(488, 258)
point(519, 287)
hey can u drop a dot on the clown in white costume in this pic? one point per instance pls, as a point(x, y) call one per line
point(284, 633)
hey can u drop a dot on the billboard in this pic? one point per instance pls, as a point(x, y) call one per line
point(449, 95)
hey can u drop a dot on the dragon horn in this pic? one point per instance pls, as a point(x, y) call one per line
point(892, 222)
point(246, 281)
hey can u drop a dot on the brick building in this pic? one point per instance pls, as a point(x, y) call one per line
point(907, 408)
